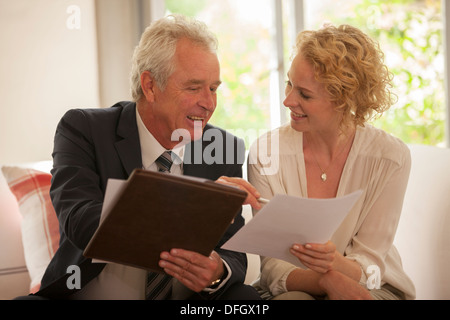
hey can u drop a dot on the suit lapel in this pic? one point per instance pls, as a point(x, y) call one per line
point(129, 148)
point(191, 166)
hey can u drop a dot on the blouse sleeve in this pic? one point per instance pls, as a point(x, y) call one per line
point(373, 239)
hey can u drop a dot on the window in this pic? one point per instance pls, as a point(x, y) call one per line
point(410, 34)
point(246, 56)
point(255, 43)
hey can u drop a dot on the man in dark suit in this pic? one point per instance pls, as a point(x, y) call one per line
point(175, 76)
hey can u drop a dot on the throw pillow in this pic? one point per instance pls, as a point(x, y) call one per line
point(14, 277)
point(40, 230)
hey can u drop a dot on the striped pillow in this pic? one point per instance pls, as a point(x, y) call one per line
point(40, 230)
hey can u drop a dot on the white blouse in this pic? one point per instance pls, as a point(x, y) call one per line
point(378, 163)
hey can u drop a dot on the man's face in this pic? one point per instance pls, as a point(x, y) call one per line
point(189, 99)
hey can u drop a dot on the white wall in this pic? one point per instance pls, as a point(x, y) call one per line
point(45, 69)
point(119, 27)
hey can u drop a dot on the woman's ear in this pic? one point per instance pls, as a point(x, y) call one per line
point(148, 86)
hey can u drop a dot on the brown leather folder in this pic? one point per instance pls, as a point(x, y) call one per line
point(156, 212)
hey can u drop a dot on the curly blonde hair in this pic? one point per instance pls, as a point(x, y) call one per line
point(351, 66)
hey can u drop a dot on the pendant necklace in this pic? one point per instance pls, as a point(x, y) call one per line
point(324, 176)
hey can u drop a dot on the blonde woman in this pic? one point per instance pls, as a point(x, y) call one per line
point(336, 83)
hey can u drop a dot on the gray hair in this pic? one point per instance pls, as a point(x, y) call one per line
point(157, 48)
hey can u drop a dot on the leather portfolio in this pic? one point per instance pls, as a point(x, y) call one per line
point(155, 212)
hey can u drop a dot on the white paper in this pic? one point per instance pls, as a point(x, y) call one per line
point(286, 220)
point(113, 189)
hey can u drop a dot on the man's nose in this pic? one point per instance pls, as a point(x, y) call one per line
point(208, 100)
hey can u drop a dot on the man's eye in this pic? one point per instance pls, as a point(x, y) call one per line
point(288, 83)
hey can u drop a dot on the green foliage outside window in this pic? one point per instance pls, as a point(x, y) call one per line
point(410, 33)
point(244, 53)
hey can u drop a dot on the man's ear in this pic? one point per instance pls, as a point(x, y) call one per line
point(148, 86)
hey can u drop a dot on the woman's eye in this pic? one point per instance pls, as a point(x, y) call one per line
point(300, 92)
point(304, 96)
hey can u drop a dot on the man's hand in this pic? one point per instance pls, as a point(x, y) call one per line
point(252, 194)
point(192, 269)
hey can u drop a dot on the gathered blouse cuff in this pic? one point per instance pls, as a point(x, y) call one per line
point(281, 287)
point(363, 265)
point(363, 278)
point(274, 276)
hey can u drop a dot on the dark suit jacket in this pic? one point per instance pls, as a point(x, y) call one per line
point(93, 145)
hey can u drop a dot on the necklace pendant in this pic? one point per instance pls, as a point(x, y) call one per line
point(324, 177)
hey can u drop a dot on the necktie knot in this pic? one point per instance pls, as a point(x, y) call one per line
point(164, 161)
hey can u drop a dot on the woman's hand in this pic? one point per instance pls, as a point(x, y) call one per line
point(317, 257)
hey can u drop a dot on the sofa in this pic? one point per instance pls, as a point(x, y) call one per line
point(29, 229)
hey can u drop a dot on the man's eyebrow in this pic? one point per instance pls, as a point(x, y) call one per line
point(201, 82)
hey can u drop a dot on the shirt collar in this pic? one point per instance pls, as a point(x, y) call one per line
point(151, 149)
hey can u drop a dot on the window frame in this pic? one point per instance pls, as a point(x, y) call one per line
point(446, 39)
point(296, 18)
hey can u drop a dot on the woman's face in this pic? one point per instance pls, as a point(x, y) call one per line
point(311, 107)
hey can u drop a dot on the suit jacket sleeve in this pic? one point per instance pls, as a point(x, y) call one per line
point(74, 178)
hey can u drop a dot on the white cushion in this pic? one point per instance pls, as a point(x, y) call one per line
point(423, 236)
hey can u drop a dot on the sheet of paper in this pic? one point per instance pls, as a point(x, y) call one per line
point(113, 188)
point(286, 220)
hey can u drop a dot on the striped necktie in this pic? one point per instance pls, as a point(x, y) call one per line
point(159, 286)
point(164, 161)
